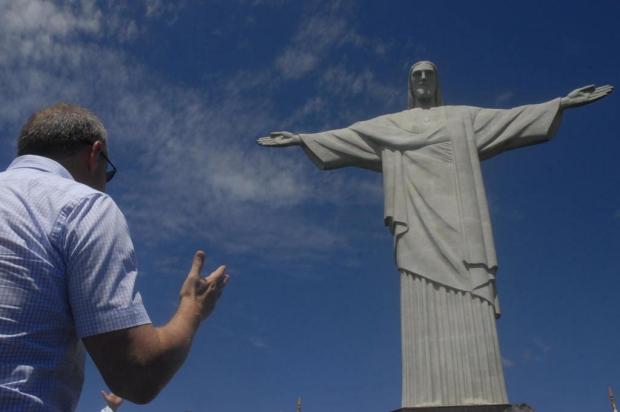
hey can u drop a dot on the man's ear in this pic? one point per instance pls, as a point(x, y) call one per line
point(93, 155)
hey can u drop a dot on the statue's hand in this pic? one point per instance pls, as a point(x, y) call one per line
point(279, 139)
point(585, 95)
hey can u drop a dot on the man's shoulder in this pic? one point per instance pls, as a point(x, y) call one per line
point(78, 200)
point(37, 175)
point(67, 192)
point(73, 190)
point(50, 195)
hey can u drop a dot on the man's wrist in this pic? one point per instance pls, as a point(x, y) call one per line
point(189, 312)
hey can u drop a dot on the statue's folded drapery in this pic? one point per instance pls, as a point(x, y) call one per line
point(436, 208)
point(435, 203)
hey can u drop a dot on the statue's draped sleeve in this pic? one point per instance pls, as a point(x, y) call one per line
point(341, 148)
point(498, 130)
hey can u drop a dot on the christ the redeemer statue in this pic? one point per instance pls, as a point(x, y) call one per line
point(436, 208)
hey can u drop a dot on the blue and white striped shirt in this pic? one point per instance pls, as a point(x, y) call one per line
point(67, 271)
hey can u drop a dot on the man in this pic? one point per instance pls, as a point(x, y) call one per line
point(67, 274)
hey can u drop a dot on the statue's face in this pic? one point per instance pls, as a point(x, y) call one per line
point(424, 81)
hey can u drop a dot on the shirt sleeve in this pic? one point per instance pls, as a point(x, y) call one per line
point(100, 268)
point(498, 130)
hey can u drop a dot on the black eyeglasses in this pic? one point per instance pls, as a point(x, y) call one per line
point(110, 172)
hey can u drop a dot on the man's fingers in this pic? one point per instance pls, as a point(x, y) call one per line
point(222, 282)
point(216, 281)
point(217, 274)
point(197, 263)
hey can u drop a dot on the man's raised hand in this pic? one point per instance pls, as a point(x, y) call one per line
point(203, 292)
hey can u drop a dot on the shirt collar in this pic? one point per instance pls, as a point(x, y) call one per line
point(44, 164)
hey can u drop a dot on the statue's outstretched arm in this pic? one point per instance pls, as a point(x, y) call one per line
point(280, 139)
point(585, 95)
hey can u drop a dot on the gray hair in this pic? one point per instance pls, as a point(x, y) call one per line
point(59, 130)
point(412, 102)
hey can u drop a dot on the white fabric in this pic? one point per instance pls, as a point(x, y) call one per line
point(67, 270)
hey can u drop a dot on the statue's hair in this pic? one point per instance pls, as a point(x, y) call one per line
point(59, 130)
point(412, 102)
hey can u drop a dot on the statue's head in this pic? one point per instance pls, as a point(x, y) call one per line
point(424, 90)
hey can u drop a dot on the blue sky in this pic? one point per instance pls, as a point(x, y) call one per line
point(185, 88)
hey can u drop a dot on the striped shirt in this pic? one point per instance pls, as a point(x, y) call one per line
point(67, 271)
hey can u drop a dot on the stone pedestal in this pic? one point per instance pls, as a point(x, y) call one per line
point(471, 408)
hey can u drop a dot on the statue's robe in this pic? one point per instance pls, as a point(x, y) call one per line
point(436, 208)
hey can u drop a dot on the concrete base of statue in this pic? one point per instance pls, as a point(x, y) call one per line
point(471, 408)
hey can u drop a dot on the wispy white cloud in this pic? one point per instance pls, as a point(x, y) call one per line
point(168, 9)
point(342, 81)
point(507, 363)
point(324, 28)
point(127, 21)
point(318, 33)
point(46, 20)
point(504, 97)
point(258, 343)
point(194, 170)
point(537, 351)
point(542, 346)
